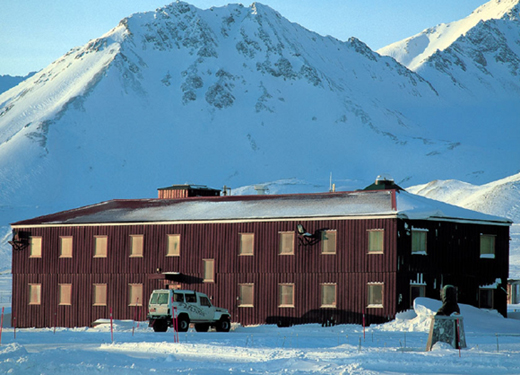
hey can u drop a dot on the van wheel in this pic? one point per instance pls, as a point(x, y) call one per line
point(160, 325)
point(223, 325)
point(201, 327)
point(183, 323)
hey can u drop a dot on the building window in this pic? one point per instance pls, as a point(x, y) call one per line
point(376, 241)
point(209, 270)
point(99, 295)
point(485, 298)
point(100, 246)
point(247, 243)
point(328, 242)
point(136, 245)
point(66, 247)
point(36, 247)
point(286, 243)
point(487, 246)
point(65, 294)
point(419, 241)
point(35, 294)
point(174, 245)
point(375, 295)
point(135, 294)
point(246, 295)
point(285, 295)
point(415, 292)
point(328, 295)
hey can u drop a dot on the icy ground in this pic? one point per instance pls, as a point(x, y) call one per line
point(397, 347)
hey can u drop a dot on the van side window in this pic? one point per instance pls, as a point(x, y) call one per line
point(191, 298)
point(178, 297)
point(204, 301)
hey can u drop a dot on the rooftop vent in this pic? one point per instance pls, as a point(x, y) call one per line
point(186, 191)
point(261, 189)
point(383, 182)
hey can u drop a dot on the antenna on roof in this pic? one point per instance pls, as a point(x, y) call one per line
point(330, 183)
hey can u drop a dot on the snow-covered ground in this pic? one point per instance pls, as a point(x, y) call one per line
point(397, 347)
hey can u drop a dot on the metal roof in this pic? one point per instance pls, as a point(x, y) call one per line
point(264, 207)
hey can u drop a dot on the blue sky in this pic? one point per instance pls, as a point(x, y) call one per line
point(34, 33)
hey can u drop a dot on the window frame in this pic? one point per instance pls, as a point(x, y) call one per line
point(281, 235)
point(65, 290)
point(421, 233)
point(322, 295)
point(206, 262)
point(241, 294)
point(325, 241)
point(131, 287)
point(245, 250)
point(370, 304)
point(486, 255)
point(176, 250)
point(97, 241)
point(95, 301)
point(133, 248)
point(281, 294)
point(382, 240)
point(32, 248)
point(64, 240)
point(38, 289)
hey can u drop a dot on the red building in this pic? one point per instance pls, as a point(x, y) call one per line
point(267, 258)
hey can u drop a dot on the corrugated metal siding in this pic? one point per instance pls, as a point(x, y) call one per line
point(351, 268)
point(453, 257)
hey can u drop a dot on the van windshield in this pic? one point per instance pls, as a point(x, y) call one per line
point(159, 299)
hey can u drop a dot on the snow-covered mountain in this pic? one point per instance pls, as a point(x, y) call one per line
point(479, 51)
point(417, 49)
point(238, 96)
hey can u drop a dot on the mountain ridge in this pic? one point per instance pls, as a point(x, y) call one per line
point(413, 51)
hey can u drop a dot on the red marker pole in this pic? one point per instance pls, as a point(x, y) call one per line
point(175, 333)
point(14, 330)
point(111, 326)
point(55, 322)
point(176, 324)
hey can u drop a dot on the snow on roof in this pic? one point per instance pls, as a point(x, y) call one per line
point(416, 207)
point(265, 207)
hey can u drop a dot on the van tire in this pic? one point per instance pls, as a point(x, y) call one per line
point(183, 323)
point(223, 325)
point(160, 325)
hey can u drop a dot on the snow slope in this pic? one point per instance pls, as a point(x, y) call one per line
point(397, 347)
